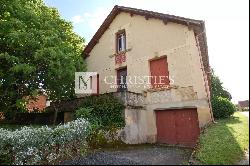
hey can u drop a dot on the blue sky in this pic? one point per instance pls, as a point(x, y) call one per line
point(227, 26)
point(70, 9)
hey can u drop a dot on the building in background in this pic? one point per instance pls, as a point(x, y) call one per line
point(243, 104)
point(37, 104)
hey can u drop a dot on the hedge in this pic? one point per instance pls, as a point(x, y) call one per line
point(106, 110)
point(43, 145)
point(222, 107)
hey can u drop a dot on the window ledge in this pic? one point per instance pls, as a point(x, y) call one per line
point(162, 88)
point(123, 52)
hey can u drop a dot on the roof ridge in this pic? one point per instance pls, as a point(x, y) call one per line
point(163, 14)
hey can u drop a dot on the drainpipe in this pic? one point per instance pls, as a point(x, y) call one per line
point(204, 76)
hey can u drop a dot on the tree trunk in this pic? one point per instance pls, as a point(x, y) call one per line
point(55, 114)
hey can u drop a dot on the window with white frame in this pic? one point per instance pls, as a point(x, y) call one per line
point(121, 41)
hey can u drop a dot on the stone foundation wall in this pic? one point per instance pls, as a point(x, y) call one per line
point(141, 121)
point(140, 127)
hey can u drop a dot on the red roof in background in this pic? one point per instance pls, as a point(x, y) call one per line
point(244, 103)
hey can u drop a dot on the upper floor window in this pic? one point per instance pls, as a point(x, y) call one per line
point(120, 41)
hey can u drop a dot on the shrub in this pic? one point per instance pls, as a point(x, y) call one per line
point(237, 108)
point(42, 145)
point(83, 113)
point(245, 109)
point(9, 114)
point(105, 138)
point(104, 111)
point(222, 107)
point(105, 114)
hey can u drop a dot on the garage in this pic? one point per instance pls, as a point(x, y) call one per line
point(177, 126)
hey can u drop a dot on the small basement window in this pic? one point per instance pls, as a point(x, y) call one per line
point(120, 41)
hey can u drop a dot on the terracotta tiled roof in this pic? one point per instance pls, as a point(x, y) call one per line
point(243, 104)
point(197, 25)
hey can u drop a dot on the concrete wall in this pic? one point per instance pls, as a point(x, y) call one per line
point(140, 126)
point(145, 40)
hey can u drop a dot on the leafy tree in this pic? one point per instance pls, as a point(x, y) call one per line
point(221, 105)
point(217, 88)
point(38, 50)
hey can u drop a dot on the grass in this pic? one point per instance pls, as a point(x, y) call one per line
point(224, 142)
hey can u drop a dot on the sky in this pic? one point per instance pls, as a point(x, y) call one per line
point(227, 29)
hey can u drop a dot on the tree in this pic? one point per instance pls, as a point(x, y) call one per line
point(38, 50)
point(217, 88)
point(221, 105)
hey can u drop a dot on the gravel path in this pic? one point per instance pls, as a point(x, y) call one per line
point(245, 161)
point(137, 155)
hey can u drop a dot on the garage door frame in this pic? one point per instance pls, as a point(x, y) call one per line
point(173, 129)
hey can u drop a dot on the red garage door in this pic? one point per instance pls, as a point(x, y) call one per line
point(178, 126)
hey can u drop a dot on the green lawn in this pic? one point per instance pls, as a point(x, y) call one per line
point(224, 142)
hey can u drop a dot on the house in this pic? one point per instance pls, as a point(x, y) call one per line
point(38, 103)
point(244, 104)
point(158, 65)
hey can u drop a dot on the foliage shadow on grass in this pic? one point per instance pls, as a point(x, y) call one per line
point(219, 144)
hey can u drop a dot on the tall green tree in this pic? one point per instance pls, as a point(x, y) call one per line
point(38, 50)
point(221, 105)
point(217, 88)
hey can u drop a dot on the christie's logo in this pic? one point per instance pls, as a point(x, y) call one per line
point(86, 82)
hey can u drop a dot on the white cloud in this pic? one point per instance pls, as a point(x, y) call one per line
point(97, 17)
point(77, 19)
point(87, 15)
point(92, 19)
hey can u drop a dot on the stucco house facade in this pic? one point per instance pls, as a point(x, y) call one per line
point(133, 43)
